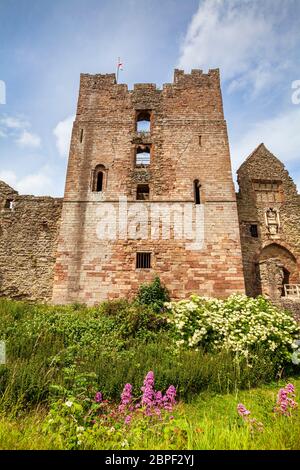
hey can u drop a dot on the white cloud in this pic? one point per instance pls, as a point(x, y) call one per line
point(63, 132)
point(280, 135)
point(28, 139)
point(38, 183)
point(16, 128)
point(12, 122)
point(242, 39)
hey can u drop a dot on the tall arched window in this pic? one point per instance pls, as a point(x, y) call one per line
point(197, 196)
point(99, 179)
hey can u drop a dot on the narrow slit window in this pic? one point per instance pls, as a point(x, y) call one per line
point(142, 192)
point(143, 260)
point(200, 140)
point(142, 157)
point(81, 135)
point(197, 187)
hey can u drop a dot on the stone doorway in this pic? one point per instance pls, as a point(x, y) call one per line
point(276, 268)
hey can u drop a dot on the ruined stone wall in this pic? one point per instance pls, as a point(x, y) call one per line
point(28, 234)
point(188, 141)
point(276, 249)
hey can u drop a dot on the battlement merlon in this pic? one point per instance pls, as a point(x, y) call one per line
point(196, 77)
point(94, 81)
point(100, 88)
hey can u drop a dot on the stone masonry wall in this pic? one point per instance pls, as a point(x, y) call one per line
point(28, 234)
point(188, 140)
point(276, 249)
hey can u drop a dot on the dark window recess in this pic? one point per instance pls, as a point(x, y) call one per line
point(197, 187)
point(8, 204)
point(254, 231)
point(99, 185)
point(143, 260)
point(200, 140)
point(81, 135)
point(142, 192)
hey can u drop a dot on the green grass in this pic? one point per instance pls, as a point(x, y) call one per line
point(119, 342)
point(208, 422)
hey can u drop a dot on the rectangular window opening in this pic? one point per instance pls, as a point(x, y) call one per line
point(9, 204)
point(143, 260)
point(142, 192)
point(142, 156)
point(254, 230)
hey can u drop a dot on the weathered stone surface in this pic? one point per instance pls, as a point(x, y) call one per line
point(50, 248)
point(273, 257)
point(28, 234)
point(188, 139)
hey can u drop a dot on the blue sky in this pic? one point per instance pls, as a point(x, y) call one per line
point(45, 45)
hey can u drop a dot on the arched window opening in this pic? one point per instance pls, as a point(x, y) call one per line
point(197, 187)
point(99, 182)
point(99, 178)
point(143, 121)
point(142, 192)
point(142, 157)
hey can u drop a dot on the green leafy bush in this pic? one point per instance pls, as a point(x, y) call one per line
point(239, 324)
point(120, 341)
point(153, 294)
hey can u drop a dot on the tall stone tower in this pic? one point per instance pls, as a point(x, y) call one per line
point(137, 153)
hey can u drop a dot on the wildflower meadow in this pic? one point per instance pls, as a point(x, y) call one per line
point(148, 373)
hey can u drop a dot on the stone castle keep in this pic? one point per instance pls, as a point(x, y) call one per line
point(165, 152)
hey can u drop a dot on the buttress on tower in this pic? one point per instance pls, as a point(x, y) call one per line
point(135, 153)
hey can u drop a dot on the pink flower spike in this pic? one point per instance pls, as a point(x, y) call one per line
point(242, 410)
point(98, 397)
point(127, 419)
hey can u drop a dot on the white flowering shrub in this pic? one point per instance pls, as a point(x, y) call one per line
point(239, 324)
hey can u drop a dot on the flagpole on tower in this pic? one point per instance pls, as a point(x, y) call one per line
point(119, 67)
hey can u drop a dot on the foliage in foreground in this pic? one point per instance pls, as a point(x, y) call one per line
point(239, 324)
point(55, 348)
point(210, 421)
point(67, 366)
point(82, 418)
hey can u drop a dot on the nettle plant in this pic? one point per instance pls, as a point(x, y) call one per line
point(239, 324)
